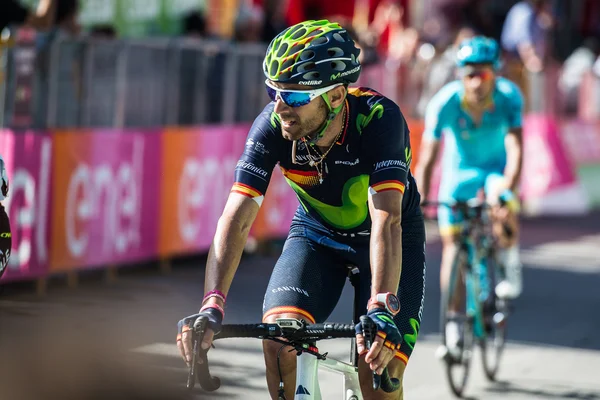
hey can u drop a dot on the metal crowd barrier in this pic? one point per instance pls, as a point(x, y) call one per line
point(138, 83)
point(177, 81)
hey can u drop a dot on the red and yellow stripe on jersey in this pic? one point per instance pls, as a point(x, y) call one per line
point(248, 191)
point(302, 178)
point(388, 185)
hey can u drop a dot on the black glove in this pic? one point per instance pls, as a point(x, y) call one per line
point(386, 327)
point(214, 316)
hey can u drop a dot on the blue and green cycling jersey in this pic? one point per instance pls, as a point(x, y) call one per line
point(472, 148)
point(373, 154)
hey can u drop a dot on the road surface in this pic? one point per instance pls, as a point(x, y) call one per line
point(116, 341)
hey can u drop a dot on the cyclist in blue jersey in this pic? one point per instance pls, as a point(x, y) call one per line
point(346, 153)
point(480, 118)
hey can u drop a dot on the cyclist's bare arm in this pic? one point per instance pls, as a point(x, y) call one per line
point(514, 157)
point(224, 255)
point(229, 241)
point(385, 209)
point(429, 152)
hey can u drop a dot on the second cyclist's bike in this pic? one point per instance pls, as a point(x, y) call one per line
point(482, 317)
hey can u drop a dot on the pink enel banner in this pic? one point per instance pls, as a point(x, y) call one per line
point(28, 159)
point(106, 202)
point(546, 166)
point(582, 141)
point(198, 169)
point(197, 173)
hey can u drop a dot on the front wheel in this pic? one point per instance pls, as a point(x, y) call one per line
point(495, 317)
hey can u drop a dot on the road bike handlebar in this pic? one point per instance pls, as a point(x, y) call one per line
point(295, 336)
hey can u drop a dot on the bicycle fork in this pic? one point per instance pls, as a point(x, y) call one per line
point(476, 288)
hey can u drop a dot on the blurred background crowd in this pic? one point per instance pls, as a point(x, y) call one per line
point(151, 62)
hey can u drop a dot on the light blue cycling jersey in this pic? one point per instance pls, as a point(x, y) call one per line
point(472, 152)
point(474, 155)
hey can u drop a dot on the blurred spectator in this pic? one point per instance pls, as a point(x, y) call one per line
point(524, 41)
point(274, 22)
point(524, 33)
point(14, 13)
point(388, 27)
point(441, 70)
point(194, 25)
point(580, 62)
point(249, 24)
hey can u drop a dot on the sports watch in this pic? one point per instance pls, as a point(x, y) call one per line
point(389, 301)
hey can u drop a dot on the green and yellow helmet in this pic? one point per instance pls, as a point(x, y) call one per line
point(312, 53)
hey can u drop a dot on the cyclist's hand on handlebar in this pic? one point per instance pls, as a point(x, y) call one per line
point(387, 340)
point(185, 332)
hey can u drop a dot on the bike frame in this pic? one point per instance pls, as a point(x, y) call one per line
point(307, 377)
point(475, 242)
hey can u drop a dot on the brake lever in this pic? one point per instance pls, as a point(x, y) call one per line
point(197, 334)
point(368, 331)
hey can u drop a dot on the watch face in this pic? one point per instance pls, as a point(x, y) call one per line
point(393, 303)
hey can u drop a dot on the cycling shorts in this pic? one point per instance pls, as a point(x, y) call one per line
point(311, 272)
point(464, 185)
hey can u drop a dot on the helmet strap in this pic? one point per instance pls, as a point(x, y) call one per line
point(330, 117)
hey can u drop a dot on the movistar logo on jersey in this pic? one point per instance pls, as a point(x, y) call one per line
point(351, 213)
point(333, 77)
point(363, 120)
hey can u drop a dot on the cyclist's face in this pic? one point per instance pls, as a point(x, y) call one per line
point(298, 122)
point(479, 82)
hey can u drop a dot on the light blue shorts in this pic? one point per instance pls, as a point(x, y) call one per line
point(464, 185)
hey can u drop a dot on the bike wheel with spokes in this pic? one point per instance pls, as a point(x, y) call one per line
point(457, 365)
point(457, 369)
point(495, 316)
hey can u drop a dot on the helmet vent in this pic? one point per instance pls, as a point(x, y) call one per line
point(320, 40)
point(296, 48)
point(287, 63)
point(307, 55)
point(274, 68)
point(338, 65)
point(294, 29)
point(282, 49)
point(284, 76)
point(335, 52)
point(308, 66)
point(311, 76)
point(338, 37)
point(299, 33)
point(314, 33)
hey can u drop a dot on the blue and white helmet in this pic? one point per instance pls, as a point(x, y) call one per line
point(478, 50)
